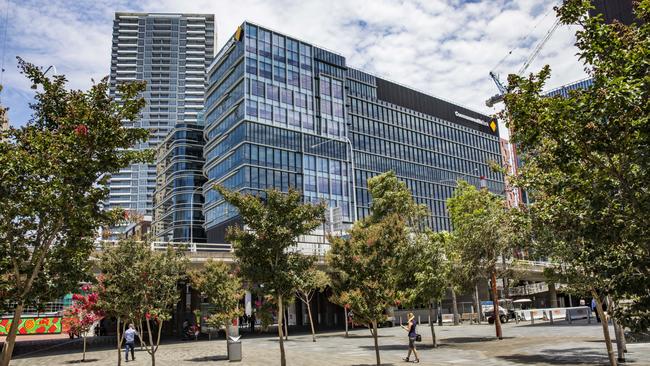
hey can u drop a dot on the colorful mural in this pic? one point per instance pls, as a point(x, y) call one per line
point(44, 325)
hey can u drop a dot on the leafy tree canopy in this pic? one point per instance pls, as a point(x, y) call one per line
point(587, 164)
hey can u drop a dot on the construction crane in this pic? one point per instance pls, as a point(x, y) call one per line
point(497, 98)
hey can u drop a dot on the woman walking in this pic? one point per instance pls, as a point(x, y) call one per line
point(410, 328)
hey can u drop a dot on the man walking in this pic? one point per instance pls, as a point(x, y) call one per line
point(129, 338)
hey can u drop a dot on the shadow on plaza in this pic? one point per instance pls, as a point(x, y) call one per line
point(88, 360)
point(455, 340)
point(402, 346)
point(208, 358)
point(570, 356)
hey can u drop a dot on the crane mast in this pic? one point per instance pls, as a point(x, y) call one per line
point(497, 98)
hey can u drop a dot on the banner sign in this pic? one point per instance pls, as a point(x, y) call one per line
point(33, 325)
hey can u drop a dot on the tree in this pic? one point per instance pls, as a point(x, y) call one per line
point(220, 284)
point(54, 175)
point(310, 282)
point(83, 314)
point(120, 286)
point(365, 264)
point(462, 275)
point(424, 272)
point(483, 234)
point(160, 273)
point(586, 162)
point(264, 244)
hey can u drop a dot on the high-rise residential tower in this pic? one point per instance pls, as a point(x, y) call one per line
point(283, 113)
point(170, 52)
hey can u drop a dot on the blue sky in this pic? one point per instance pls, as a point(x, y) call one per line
point(444, 48)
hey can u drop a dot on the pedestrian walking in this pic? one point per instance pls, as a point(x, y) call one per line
point(593, 309)
point(129, 338)
point(410, 328)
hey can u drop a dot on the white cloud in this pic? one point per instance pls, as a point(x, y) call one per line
point(445, 48)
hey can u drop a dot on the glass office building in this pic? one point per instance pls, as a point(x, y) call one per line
point(170, 52)
point(283, 113)
point(178, 202)
point(564, 90)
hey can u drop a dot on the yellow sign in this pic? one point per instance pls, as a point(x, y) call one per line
point(493, 126)
point(239, 33)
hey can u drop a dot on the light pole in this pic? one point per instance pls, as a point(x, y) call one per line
point(193, 247)
point(354, 188)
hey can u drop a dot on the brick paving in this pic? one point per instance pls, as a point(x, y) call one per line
point(539, 344)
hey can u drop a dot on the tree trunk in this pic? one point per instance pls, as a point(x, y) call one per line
point(313, 333)
point(495, 306)
point(286, 325)
point(151, 345)
point(83, 357)
point(431, 321)
point(603, 321)
point(119, 343)
point(374, 335)
point(10, 341)
point(283, 360)
point(619, 333)
point(477, 304)
point(454, 305)
point(140, 330)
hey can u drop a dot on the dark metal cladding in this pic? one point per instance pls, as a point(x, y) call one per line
point(619, 10)
point(412, 99)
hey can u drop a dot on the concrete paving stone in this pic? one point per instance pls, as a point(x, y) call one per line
point(523, 344)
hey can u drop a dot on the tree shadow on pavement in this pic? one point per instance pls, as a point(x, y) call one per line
point(373, 364)
point(90, 360)
point(570, 356)
point(397, 347)
point(471, 339)
point(209, 358)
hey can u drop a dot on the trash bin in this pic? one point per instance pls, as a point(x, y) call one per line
point(234, 349)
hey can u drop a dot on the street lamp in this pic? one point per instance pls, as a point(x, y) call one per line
point(354, 188)
point(192, 218)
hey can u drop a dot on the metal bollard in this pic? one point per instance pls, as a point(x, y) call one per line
point(419, 322)
point(429, 316)
point(568, 314)
point(400, 320)
point(550, 316)
point(589, 316)
point(532, 317)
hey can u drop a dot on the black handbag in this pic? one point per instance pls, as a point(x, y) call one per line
point(418, 338)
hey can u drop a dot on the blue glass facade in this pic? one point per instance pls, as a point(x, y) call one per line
point(283, 113)
point(564, 89)
point(178, 201)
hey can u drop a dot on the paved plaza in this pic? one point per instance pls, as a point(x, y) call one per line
point(540, 344)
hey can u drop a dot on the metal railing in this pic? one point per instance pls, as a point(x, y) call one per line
point(316, 249)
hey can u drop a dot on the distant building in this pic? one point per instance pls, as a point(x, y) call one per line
point(178, 199)
point(564, 89)
point(170, 52)
point(619, 10)
point(138, 229)
point(284, 113)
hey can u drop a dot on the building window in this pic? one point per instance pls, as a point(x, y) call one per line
point(251, 108)
point(265, 70)
point(266, 111)
point(257, 88)
point(293, 78)
point(305, 81)
point(286, 96)
point(251, 66)
point(324, 86)
point(273, 92)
